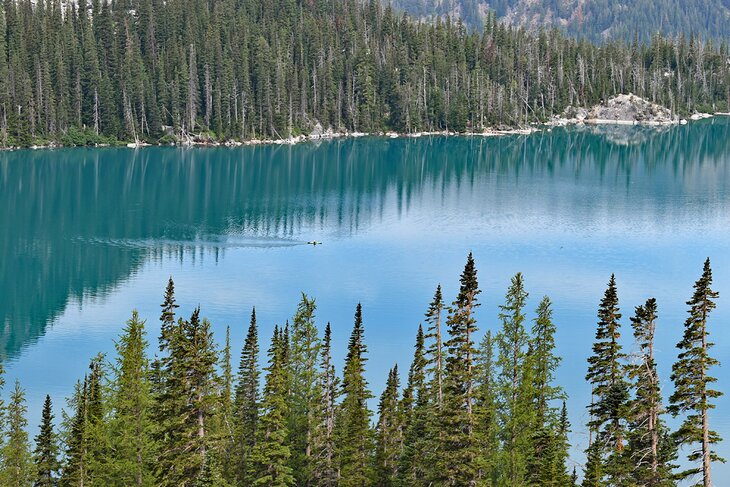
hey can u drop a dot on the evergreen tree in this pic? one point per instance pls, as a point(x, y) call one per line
point(202, 390)
point(593, 471)
point(98, 438)
point(167, 318)
point(17, 463)
point(226, 394)
point(325, 472)
point(416, 379)
point(693, 390)
point(75, 468)
point(85, 435)
point(211, 474)
point(414, 407)
point(189, 402)
point(460, 448)
point(546, 464)
point(166, 387)
point(485, 408)
point(389, 432)
point(435, 353)
point(647, 451)
point(46, 461)
point(562, 449)
point(609, 407)
point(353, 416)
point(515, 385)
point(131, 424)
point(435, 368)
point(246, 404)
point(271, 454)
point(305, 395)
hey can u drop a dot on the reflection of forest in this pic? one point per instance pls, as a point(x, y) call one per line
point(64, 213)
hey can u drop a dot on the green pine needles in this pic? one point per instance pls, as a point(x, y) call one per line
point(475, 409)
point(693, 384)
point(630, 441)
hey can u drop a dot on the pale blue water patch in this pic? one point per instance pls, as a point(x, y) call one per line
point(90, 234)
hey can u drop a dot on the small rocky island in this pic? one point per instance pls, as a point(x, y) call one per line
point(621, 109)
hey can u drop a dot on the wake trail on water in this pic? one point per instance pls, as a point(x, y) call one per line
point(162, 243)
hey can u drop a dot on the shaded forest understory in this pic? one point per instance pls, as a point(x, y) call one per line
point(488, 414)
point(79, 73)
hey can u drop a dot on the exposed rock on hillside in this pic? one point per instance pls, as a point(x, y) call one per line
point(630, 109)
point(621, 109)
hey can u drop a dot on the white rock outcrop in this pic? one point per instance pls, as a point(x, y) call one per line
point(622, 110)
point(630, 109)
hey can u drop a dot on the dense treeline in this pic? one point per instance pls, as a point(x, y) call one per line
point(80, 72)
point(488, 414)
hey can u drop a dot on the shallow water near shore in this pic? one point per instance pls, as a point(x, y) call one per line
point(90, 234)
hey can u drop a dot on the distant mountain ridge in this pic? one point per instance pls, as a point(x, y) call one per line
point(593, 19)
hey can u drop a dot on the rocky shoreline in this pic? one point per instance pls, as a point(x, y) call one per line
point(620, 110)
point(202, 141)
point(319, 135)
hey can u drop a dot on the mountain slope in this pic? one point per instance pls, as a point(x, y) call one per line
point(592, 19)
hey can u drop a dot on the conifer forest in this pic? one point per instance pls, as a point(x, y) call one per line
point(475, 407)
point(149, 71)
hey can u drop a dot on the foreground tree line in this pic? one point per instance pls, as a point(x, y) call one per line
point(96, 71)
point(488, 414)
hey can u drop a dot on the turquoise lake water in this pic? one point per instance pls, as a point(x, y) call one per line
point(90, 234)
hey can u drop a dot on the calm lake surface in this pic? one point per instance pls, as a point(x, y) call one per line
point(90, 234)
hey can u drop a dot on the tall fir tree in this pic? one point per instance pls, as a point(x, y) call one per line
point(610, 404)
point(226, 395)
point(416, 379)
point(460, 448)
point(304, 388)
point(515, 386)
point(593, 475)
point(436, 352)
point(202, 392)
point(485, 408)
point(246, 405)
point(693, 390)
point(167, 316)
point(325, 468)
point(389, 432)
point(354, 437)
point(75, 471)
point(546, 463)
point(97, 428)
point(435, 369)
point(562, 450)
point(45, 455)
point(414, 407)
point(167, 385)
point(17, 462)
point(189, 402)
point(86, 437)
point(648, 452)
point(132, 458)
point(271, 454)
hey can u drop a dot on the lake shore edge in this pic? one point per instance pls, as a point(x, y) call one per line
point(329, 134)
